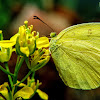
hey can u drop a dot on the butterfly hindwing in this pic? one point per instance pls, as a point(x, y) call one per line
point(76, 54)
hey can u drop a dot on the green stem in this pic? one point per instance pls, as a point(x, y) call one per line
point(9, 77)
point(18, 58)
point(27, 62)
point(5, 71)
point(33, 74)
point(38, 66)
point(25, 77)
point(37, 86)
point(32, 79)
point(17, 69)
point(32, 70)
point(18, 65)
point(10, 93)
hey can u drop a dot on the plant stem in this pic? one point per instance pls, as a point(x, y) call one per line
point(10, 93)
point(18, 65)
point(18, 58)
point(17, 69)
point(33, 74)
point(32, 79)
point(28, 64)
point(5, 71)
point(25, 77)
point(9, 77)
point(37, 86)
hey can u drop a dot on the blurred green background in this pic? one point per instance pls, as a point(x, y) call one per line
point(65, 13)
point(87, 10)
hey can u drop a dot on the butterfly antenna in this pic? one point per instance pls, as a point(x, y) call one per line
point(35, 17)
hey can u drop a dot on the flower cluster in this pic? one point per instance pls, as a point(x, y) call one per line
point(29, 47)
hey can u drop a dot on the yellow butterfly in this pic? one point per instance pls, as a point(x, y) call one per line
point(76, 54)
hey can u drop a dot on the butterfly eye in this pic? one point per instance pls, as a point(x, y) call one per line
point(53, 34)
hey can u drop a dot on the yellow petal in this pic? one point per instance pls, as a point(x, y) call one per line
point(5, 54)
point(7, 43)
point(35, 58)
point(4, 91)
point(22, 30)
point(25, 50)
point(47, 58)
point(13, 38)
point(25, 93)
point(31, 27)
point(47, 52)
point(0, 31)
point(25, 22)
point(42, 42)
point(21, 84)
point(42, 94)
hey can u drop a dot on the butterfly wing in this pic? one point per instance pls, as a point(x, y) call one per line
point(76, 54)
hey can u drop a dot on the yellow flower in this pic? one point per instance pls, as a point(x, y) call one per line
point(5, 54)
point(28, 90)
point(42, 55)
point(6, 50)
point(4, 90)
point(7, 43)
point(42, 42)
point(25, 44)
point(42, 94)
point(39, 59)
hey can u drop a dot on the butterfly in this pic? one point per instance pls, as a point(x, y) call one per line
point(76, 54)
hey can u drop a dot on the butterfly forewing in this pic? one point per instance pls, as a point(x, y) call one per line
point(77, 55)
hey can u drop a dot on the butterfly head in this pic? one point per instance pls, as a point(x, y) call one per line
point(53, 34)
